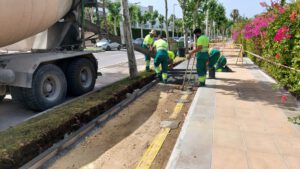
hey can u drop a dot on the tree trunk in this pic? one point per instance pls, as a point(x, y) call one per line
point(194, 23)
point(142, 31)
point(185, 32)
point(115, 27)
point(195, 14)
point(166, 19)
point(206, 22)
point(128, 38)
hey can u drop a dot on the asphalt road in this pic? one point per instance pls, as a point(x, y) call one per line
point(112, 64)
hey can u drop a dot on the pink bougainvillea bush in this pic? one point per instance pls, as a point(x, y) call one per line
point(275, 35)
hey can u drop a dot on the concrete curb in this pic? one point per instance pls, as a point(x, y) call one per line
point(188, 154)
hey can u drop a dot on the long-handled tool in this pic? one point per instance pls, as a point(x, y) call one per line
point(191, 71)
point(185, 72)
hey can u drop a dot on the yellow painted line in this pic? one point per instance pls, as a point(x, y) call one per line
point(155, 146)
point(178, 107)
point(153, 149)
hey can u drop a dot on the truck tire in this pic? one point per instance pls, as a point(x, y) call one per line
point(17, 95)
point(1, 98)
point(81, 76)
point(3, 91)
point(49, 88)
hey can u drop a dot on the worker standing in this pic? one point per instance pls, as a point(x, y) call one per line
point(148, 43)
point(201, 51)
point(161, 57)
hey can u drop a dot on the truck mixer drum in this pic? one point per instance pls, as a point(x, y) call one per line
point(33, 17)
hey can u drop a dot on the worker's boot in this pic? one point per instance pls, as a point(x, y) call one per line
point(147, 69)
point(201, 84)
point(212, 73)
point(158, 76)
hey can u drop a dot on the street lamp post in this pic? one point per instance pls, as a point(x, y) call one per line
point(174, 19)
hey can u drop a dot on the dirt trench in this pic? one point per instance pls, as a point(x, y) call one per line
point(121, 142)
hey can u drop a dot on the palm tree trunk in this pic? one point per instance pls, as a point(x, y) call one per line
point(115, 27)
point(142, 31)
point(128, 36)
point(185, 32)
point(166, 19)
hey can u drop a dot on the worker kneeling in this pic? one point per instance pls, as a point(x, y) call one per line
point(161, 57)
point(214, 56)
point(217, 63)
point(221, 65)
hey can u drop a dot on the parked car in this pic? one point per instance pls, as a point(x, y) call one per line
point(138, 41)
point(108, 45)
point(176, 38)
point(190, 42)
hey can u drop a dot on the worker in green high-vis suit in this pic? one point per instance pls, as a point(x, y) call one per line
point(202, 56)
point(161, 57)
point(214, 56)
point(221, 65)
point(148, 43)
point(172, 56)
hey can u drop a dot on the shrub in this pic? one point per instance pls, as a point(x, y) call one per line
point(275, 35)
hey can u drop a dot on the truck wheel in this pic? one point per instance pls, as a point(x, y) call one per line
point(1, 98)
point(81, 76)
point(17, 95)
point(3, 90)
point(49, 88)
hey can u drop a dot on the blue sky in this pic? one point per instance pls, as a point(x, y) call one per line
point(247, 8)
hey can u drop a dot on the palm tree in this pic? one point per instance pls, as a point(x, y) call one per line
point(166, 19)
point(133, 11)
point(153, 18)
point(114, 14)
point(179, 25)
point(235, 15)
point(147, 16)
point(142, 21)
point(170, 20)
point(161, 19)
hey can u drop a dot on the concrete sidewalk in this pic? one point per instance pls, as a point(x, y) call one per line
point(239, 122)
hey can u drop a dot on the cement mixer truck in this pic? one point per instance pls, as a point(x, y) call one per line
point(56, 65)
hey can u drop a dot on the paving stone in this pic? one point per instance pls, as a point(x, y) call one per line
point(169, 124)
point(247, 127)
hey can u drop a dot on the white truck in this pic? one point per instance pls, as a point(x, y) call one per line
point(56, 66)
